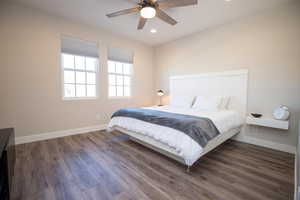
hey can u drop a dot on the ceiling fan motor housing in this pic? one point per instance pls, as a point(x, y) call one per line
point(146, 3)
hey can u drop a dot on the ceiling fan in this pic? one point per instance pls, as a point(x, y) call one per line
point(152, 8)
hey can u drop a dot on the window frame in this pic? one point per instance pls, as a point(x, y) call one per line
point(78, 70)
point(120, 74)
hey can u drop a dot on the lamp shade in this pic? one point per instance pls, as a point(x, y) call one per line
point(160, 93)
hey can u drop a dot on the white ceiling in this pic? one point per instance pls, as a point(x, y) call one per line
point(191, 19)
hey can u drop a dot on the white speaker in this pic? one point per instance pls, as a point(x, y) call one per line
point(281, 113)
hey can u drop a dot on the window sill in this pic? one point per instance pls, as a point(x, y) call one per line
point(79, 98)
point(112, 98)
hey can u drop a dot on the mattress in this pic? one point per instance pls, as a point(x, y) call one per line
point(180, 143)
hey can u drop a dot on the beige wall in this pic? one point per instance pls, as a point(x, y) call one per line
point(30, 79)
point(267, 44)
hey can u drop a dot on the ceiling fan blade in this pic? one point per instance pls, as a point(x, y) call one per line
point(142, 23)
point(176, 3)
point(165, 17)
point(123, 12)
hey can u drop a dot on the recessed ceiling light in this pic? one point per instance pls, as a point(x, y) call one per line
point(227, 0)
point(153, 30)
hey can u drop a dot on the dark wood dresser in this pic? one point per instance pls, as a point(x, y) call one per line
point(7, 161)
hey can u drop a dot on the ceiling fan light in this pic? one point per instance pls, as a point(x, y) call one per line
point(148, 12)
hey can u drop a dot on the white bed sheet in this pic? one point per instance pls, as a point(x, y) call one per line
point(185, 146)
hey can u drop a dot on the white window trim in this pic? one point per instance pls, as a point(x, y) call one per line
point(121, 74)
point(63, 82)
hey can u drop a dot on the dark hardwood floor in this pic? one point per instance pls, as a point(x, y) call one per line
point(100, 166)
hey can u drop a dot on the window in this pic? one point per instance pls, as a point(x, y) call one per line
point(119, 79)
point(79, 63)
point(79, 76)
point(120, 68)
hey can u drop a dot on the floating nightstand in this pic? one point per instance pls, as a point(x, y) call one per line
point(268, 122)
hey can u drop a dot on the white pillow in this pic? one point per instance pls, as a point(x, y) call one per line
point(207, 103)
point(225, 103)
point(182, 101)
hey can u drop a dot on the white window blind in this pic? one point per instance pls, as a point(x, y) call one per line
point(120, 71)
point(76, 46)
point(120, 55)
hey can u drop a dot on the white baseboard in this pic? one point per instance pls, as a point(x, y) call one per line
point(57, 134)
point(267, 144)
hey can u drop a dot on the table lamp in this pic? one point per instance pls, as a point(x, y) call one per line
point(160, 93)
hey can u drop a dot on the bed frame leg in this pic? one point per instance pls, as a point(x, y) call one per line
point(188, 169)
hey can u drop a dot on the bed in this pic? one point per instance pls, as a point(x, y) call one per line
point(171, 141)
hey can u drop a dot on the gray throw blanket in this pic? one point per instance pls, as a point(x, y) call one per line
point(200, 129)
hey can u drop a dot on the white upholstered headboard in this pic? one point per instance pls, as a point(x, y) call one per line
point(230, 83)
